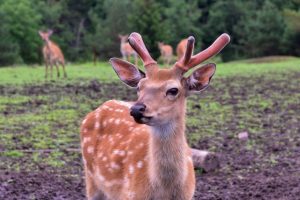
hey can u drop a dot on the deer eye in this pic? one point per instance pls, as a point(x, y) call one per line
point(172, 92)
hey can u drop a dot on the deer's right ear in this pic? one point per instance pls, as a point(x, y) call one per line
point(50, 32)
point(127, 72)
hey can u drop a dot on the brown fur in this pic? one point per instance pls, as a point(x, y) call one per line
point(180, 49)
point(166, 52)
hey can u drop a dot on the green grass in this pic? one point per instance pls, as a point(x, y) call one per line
point(104, 72)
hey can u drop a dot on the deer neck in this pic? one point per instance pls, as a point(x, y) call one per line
point(48, 45)
point(167, 155)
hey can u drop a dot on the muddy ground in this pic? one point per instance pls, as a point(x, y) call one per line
point(266, 166)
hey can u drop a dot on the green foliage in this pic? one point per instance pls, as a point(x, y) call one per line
point(21, 25)
point(252, 29)
point(86, 27)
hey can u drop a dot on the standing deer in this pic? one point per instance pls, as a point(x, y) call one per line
point(127, 50)
point(52, 54)
point(138, 150)
point(166, 52)
point(180, 49)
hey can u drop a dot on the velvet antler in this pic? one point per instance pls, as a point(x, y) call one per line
point(137, 43)
point(188, 61)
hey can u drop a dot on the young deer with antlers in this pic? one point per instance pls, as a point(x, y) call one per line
point(166, 52)
point(145, 156)
point(127, 50)
point(52, 54)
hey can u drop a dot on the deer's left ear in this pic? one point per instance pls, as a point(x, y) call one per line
point(200, 78)
point(127, 72)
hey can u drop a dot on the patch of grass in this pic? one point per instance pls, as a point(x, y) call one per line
point(13, 154)
point(104, 72)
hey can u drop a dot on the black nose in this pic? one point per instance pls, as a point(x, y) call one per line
point(137, 111)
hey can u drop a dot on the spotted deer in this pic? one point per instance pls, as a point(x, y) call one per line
point(127, 50)
point(138, 150)
point(52, 54)
point(166, 52)
point(180, 49)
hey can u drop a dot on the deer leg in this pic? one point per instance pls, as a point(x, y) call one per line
point(91, 189)
point(206, 160)
point(46, 69)
point(124, 56)
point(51, 70)
point(168, 61)
point(128, 58)
point(135, 60)
point(57, 69)
point(64, 69)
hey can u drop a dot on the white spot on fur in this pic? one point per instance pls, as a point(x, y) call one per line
point(85, 140)
point(115, 166)
point(111, 120)
point(84, 121)
point(141, 145)
point(97, 125)
point(122, 153)
point(104, 123)
point(131, 169)
point(117, 121)
point(104, 158)
point(139, 164)
point(116, 151)
point(90, 149)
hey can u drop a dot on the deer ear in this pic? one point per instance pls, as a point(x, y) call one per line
point(200, 78)
point(50, 32)
point(127, 72)
point(41, 33)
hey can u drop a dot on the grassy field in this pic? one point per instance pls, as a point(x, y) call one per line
point(103, 71)
point(39, 125)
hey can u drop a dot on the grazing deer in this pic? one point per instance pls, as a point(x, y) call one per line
point(127, 50)
point(52, 54)
point(166, 52)
point(180, 49)
point(138, 150)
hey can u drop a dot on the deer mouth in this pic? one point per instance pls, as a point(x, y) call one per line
point(142, 119)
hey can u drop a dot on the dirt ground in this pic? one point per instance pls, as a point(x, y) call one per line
point(266, 166)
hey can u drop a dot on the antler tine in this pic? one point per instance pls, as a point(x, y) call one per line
point(212, 50)
point(187, 54)
point(136, 42)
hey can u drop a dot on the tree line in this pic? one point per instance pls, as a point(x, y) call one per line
point(83, 27)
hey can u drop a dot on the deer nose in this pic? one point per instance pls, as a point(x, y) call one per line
point(137, 110)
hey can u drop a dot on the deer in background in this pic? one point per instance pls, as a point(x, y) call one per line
point(138, 150)
point(180, 49)
point(166, 52)
point(127, 50)
point(52, 54)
